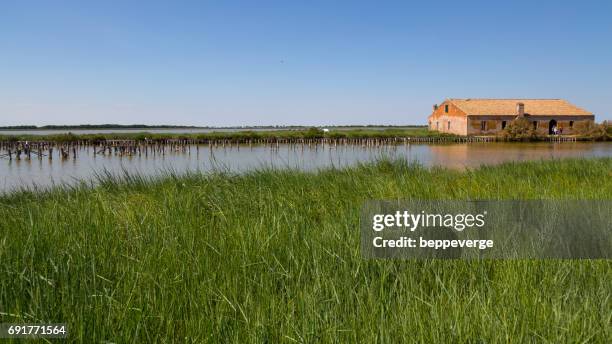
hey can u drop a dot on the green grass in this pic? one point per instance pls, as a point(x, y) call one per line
point(237, 136)
point(273, 256)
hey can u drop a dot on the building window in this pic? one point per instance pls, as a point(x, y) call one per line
point(483, 125)
point(437, 125)
point(448, 126)
point(503, 125)
point(571, 124)
point(535, 125)
point(446, 108)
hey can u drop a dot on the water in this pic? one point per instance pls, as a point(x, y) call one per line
point(44, 172)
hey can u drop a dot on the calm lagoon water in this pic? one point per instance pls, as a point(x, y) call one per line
point(44, 172)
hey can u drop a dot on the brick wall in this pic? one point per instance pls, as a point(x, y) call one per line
point(543, 123)
point(461, 124)
point(492, 124)
point(439, 120)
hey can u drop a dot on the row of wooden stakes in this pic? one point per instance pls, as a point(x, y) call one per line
point(29, 149)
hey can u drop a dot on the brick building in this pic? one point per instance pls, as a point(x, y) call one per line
point(490, 116)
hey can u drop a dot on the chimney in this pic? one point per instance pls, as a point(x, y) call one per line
point(435, 107)
point(520, 109)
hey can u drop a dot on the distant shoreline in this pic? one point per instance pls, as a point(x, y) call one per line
point(237, 134)
point(143, 126)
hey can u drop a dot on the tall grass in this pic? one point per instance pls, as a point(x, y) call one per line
point(236, 136)
point(273, 256)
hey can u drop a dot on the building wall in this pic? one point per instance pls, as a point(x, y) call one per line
point(570, 125)
point(439, 120)
point(493, 124)
point(461, 124)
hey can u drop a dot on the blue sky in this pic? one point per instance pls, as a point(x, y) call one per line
point(293, 62)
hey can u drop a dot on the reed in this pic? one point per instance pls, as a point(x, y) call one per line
point(234, 136)
point(273, 256)
point(285, 136)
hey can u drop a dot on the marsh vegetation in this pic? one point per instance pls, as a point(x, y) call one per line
point(273, 256)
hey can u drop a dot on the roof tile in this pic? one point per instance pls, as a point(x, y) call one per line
point(535, 107)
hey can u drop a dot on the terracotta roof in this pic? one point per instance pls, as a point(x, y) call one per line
point(535, 107)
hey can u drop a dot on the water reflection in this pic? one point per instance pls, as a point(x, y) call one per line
point(47, 172)
point(474, 155)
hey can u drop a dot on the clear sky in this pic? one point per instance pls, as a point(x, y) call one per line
point(293, 62)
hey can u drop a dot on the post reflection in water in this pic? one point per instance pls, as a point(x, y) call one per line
point(45, 172)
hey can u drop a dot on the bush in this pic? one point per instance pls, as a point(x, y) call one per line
point(64, 138)
point(11, 138)
point(313, 133)
point(593, 131)
point(519, 129)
